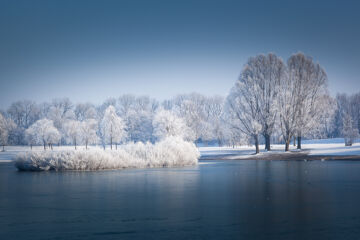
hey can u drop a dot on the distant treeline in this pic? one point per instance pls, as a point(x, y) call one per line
point(272, 101)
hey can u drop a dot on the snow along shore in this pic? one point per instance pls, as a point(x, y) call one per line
point(319, 147)
point(171, 152)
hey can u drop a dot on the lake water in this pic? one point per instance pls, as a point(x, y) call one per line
point(215, 200)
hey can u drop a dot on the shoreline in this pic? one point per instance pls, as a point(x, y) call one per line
point(283, 156)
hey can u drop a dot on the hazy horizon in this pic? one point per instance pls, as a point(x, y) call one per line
point(89, 51)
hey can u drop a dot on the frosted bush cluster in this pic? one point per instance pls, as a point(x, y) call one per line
point(170, 152)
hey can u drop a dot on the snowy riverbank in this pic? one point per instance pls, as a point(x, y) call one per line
point(171, 152)
point(319, 147)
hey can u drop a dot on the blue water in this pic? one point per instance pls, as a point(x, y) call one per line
point(220, 200)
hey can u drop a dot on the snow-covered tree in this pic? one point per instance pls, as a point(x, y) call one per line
point(85, 111)
point(263, 74)
point(4, 131)
point(52, 136)
point(112, 127)
point(310, 84)
point(24, 113)
point(43, 132)
point(287, 109)
point(31, 137)
point(243, 109)
point(167, 124)
point(72, 130)
point(88, 131)
point(349, 131)
point(214, 112)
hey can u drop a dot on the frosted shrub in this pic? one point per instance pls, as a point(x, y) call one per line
point(171, 152)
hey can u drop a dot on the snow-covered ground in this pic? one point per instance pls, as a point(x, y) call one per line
point(330, 147)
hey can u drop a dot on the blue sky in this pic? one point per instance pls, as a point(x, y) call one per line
point(92, 50)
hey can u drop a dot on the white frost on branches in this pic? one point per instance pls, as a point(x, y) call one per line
point(112, 127)
point(43, 132)
point(167, 124)
point(170, 152)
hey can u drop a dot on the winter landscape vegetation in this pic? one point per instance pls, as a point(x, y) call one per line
point(181, 119)
point(272, 102)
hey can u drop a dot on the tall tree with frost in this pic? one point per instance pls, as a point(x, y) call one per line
point(167, 124)
point(112, 127)
point(73, 130)
point(30, 137)
point(214, 112)
point(53, 136)
point(44, 132)
point(323, 123)
point(243, 107)
point(349, 131)
point(310, 84)
point(288, 109)
point(264, 73)
point(88, 131)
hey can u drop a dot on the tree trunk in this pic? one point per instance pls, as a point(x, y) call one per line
point(256, 138)
point(287, 143)
point(267, 142)
point(111, 143)
point(52, 147)
point(3, 148)
point(86, 145)
point(294, 141)
point(75, 143)
point(31, 146)
point(299, 142)
point(116, 146)
point(44, 145)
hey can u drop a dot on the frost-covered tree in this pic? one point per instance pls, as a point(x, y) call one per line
point(88, 131)
point(355, 109)
point(214, 117)
point(72, 130)
point(349, 131)
point(167, 124)
point(287, 109)
point(139, 126)
point(243, 108)
point(30, 137)
point(52, 136)
point(137, 113)
point(44, 132)
point(263, 74)
point(323, 123)
point(60, 111)
point(24, 113)
point(310, 84)
point(191, 107)
point(85, 111)
point(4, 131)
point(112, 127)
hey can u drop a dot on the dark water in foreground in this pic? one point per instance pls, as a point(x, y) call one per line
point(222, 200)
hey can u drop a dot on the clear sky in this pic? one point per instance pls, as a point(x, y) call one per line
point(92, 50)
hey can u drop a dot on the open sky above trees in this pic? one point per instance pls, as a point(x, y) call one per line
point(92, 50)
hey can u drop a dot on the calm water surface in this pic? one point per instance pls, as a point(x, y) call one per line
point(215, 200)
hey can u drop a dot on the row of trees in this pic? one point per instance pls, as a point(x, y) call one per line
point(272, 94)
point(272, 101)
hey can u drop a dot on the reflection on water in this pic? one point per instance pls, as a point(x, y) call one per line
point(226, 200)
